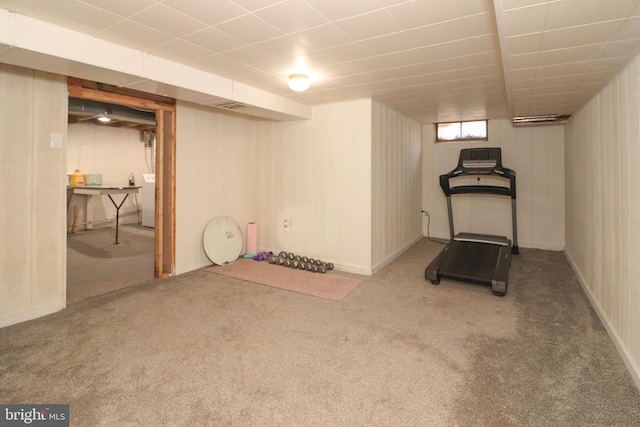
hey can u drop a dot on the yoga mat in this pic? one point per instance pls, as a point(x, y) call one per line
point(252, 238)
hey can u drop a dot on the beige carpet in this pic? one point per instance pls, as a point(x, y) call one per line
point(330, 285)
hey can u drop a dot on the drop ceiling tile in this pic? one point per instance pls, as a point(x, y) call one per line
point(564, 69)
point(525, 20)
point(570, 79)
point(630, 30)
point(570, 13)
point(323, 37)
point(180, 50)
point(203, 10)
point(461, 62)
point(368, 25)
point(459, 48)
point(346, 52)
point(490, 57)
point(134, 35)
point(284, 46)
point(527, 60)
point(215, 40)
point(439, 33)
point(579, 36)
point(609, 64)
point(388, 44)
point(485, 43)
point(341, 9)
point(474, 7)
point(250, 29)
point(76, 16)
point(382, 62)
point(279, 15)
point(518, 45)
point(123, 8)
point(616, 49)
point(574, 54)
point(522, 84)
point(251, 56)
point(480, 24)
point(516, 4)
point(554, 91)
point(253, 5)
point(426, 12)
point(156, 17)
point(424, 69)
point(25, 7)
point(516, 74)
point(597, 76)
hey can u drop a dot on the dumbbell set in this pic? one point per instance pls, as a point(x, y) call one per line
point(291, 260)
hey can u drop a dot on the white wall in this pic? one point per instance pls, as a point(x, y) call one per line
point(317, 174)
point(114, 153)
point(396, 198)
point(536, 154)
point(32, 191)
point(215, 175)
point(603, 207)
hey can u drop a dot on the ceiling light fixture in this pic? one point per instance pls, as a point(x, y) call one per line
point(104, 119)
point(299, 82)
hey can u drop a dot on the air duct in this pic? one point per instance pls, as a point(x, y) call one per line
point(547, 119)
point(89, 110)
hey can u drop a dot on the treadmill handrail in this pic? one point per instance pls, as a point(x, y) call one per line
point(487, 162)
point(496, 170)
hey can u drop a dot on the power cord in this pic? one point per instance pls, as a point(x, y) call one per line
point(426, 213)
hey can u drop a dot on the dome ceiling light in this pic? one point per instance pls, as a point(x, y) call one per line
point(299, 82)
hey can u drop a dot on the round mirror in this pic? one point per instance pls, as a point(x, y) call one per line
point(222, 240)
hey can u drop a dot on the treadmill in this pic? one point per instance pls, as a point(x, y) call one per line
point(477, 258)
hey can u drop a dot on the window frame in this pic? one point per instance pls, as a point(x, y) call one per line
point(461, 139)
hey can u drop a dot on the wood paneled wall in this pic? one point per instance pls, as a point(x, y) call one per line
point(33, 182)
point(537, 156)
point(317, 175)
point(215, 175)
point(396, 162)
point(603, 207)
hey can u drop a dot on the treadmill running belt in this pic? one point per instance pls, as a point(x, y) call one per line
point(471, 262)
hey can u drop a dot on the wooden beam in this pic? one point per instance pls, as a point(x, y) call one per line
point(77, 90)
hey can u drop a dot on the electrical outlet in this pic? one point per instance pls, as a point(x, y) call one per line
point(286, 224)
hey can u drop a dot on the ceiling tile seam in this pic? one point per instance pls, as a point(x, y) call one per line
point(547, 3)
point(498, 12)
point(122, 18)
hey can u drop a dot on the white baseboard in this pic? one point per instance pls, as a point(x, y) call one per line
point(31, 314)
point(396, 254)
point(622, 350)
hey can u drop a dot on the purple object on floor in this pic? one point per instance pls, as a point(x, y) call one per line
point(262, 256)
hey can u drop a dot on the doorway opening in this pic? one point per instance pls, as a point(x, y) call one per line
point(158, 242)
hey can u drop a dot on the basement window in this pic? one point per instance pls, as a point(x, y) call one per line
point(462, 131)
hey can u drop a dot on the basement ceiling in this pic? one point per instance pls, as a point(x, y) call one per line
point(86, 111)
point(433, 60)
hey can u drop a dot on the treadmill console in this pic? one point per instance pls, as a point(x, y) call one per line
point(479, 161)
point(480, 158)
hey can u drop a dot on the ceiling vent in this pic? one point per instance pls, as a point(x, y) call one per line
point(231, 105)
point(548, 119)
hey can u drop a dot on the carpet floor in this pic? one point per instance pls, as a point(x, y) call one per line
point(206, 350)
